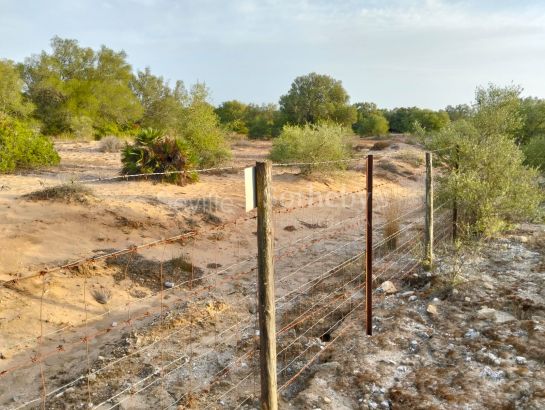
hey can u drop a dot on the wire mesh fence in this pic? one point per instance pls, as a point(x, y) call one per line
point(173, 323)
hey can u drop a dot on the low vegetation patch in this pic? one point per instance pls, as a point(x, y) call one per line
point(69, 192)
point(316, 144)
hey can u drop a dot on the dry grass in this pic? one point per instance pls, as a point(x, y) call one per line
point(413, 158)
point(102, 295)
point(393, 207)
point(381, 145)
point(111, 144)
point(71, 192)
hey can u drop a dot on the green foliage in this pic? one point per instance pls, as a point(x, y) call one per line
point(264, 121)
point(199, 127)
point(403, 119)
point(535, 152)
point(162, 104)
point(312, 143)
point(497, 111)
point(459, 112)
point(486, 176)
point(315, 98)
point(11, 97)
point(75, 82)
point(533, 111)
point(370, 120)
point(152, 152)
point(232, 115)
point(22, 147)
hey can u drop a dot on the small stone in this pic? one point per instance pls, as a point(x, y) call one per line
point(101, 358)
point(413, 346)
point(455, 291)
point(326, 400)
point(169, 285)
point(471, 334)
point(372, 405)
point(407, 293)
point(92, 377)
point(412, 298)
point(388, 287)
point(432, 310)
point(520, 360)
point(114, 324)
point(467, 299)
point(488, 372)
point(436, 300)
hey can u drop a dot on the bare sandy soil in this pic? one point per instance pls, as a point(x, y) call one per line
point(153, 346)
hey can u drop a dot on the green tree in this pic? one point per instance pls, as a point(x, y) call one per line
point(535, 152)
point(11, 86)
point(199, 126)
point(370, 120)
point(314, 98)
point(458, 112)
point(74, 85)
point(232, 115)
point(533, 111)
point(403, 119)
point(163, 105)
point(263, 121)
point(497, 111)
point(485, 173)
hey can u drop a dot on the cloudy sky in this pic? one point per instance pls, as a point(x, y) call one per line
point(428, 53)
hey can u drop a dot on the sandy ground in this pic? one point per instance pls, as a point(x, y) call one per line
point(209, 315)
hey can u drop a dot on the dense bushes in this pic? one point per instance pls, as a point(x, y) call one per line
point(535, 152)
point(312, 143)
point(199, 128)
point(152, 152)
point(485, 170)
point(22, 147)
point(403, 119)
point(370, 121)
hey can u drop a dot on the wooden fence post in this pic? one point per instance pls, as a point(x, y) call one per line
point(428, 234)
point(265, 285)
point(369, 249)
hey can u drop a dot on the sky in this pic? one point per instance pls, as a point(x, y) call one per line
point(427, 53)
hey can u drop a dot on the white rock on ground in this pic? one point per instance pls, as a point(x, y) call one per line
point(388, 287)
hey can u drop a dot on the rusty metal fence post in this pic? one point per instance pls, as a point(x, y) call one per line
point(369, 249)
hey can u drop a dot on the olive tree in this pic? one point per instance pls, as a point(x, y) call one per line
point(314, 98)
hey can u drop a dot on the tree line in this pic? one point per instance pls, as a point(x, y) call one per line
point(77, 91)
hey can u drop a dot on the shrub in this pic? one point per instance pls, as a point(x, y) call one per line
point(491, 185)
point(154, 153)
point(535, 152)
point(312, 143)
point(199, 128)
point(373, 124)
point(110, 144)
point(22, 147)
